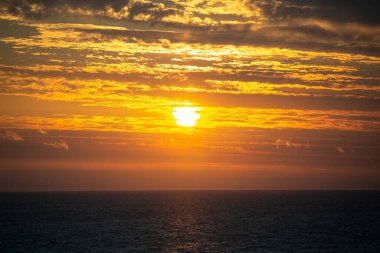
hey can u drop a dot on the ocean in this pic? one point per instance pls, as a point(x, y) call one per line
point(190, 221)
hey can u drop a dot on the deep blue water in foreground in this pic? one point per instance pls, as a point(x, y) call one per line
point(252, 221)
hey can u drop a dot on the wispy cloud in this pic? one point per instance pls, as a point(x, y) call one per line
point(42, 131)
point(58, 145)
point(11, 135)
point(290, 144)
point(340, 150)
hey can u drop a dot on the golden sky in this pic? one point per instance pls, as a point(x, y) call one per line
point(234, 94)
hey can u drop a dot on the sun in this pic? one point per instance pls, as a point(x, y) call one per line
point(186, 116)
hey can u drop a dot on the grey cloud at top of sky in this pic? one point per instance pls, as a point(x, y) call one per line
point(344, 11)
point(364, 12)
point(344, 26)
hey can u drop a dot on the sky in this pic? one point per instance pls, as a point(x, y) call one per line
point(282, 95)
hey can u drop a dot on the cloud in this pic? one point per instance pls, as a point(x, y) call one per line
point(340, 150)
point(308, 34)
point(325, 24)
point(58, 145)
point(290, 144)
point(153, 10)
point(364, 12)
point(11, 135)
point(117, 9)
point(43, 132)
point(343, 26)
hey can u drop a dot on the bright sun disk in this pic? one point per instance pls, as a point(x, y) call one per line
point(186, 116)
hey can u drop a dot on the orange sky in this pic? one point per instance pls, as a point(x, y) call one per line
point(287, 92)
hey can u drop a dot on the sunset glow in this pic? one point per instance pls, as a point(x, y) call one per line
point(245, 94)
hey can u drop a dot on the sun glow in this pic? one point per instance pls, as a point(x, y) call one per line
point(186, 116)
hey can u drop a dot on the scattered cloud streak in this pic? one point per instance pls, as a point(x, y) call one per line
point(42, 131)
point(11, 135)
point(340, 150)
point(58, 145)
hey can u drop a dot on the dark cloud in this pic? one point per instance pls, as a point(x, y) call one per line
point(327, 25)
point(365, 12)
point(128, 35)
point(298, 24)
point(313, 38)
point(155, 11)
point(119, 9)
point(13, 29)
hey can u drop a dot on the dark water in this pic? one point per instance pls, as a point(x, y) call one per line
point(190, 222)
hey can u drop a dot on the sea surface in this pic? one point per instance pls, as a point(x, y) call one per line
point(191, 221)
